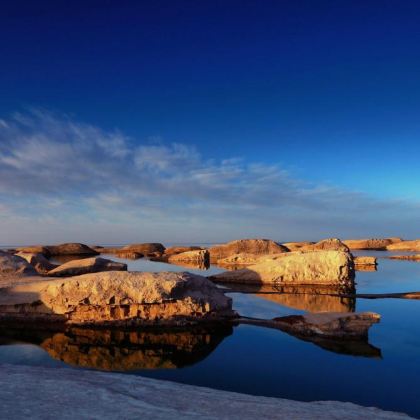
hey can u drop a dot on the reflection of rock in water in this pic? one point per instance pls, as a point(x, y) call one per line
point(313, 303)
point(306, 298)
point(350, 347)
point(131, 350)
point(190, 264)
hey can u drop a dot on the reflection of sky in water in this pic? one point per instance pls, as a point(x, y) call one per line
point(27, 354)
point(268, 362)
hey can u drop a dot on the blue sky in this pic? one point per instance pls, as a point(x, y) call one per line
point(322, 97)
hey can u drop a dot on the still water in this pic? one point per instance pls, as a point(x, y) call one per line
point(384, 372)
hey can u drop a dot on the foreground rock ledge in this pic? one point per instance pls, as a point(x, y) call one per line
point(335, 268)
point(117, 298)
point(70, 393)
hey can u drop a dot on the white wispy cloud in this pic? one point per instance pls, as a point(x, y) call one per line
point(88, 181)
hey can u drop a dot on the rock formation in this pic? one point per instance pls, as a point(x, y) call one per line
point(295, 246)
point(415, 257)
point(117, 298)
point(129, 255)
point(179, 249)
point(71, 249)
point(328, 268)
point(38, 261)
point(102, 395)
point(201, 257)
point(375, 244)
point(365, 263)
point(405, 246)
point(85, 266)
point(332, 244)
point(325, 324)
point(149, 249)
point(15, 265)
point(250, 246)
point(36, 249)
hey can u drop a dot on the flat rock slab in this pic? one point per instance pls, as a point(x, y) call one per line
point(85, 266)
point(40, 393)
point(118, 298)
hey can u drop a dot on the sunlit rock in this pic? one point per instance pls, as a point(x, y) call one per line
point(334, 268)
point(325, 324)
point(250, 246)
point(405, 246)
point(118, 298)
point(332, 244)
point(375, 243)
point(179, 249)
point(295, 246)
point(365, 263)
point(415, 257)
point(38, 261)
point(85, 266)
point(199, 257)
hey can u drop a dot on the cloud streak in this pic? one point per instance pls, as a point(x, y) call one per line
point(87, 181)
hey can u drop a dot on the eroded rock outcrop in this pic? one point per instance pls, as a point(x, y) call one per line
point(35, 249)
point(375, 243)
point(148, 249)
point(38, 261)
point(85, 266)
point(295, 246)
point(332, 268)
point(332, 244)
point(118, 298)
point(242, 259)
point(405, 246)
point(15, 265)
point(130, 255)
point(71, 249)
point(250, 246)
point(365, 263)
point(200, 257)
point(179, 249)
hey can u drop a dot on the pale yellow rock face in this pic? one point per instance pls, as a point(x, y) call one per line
point(118, 297)
point(241, 259)
point(250, 246)
point(362, 260)
point(405, 246)
point(297, 268)
point(199, 256)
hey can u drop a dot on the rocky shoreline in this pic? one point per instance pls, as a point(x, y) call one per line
point(96, 314)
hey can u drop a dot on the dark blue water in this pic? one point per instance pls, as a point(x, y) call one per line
point(384, 373)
